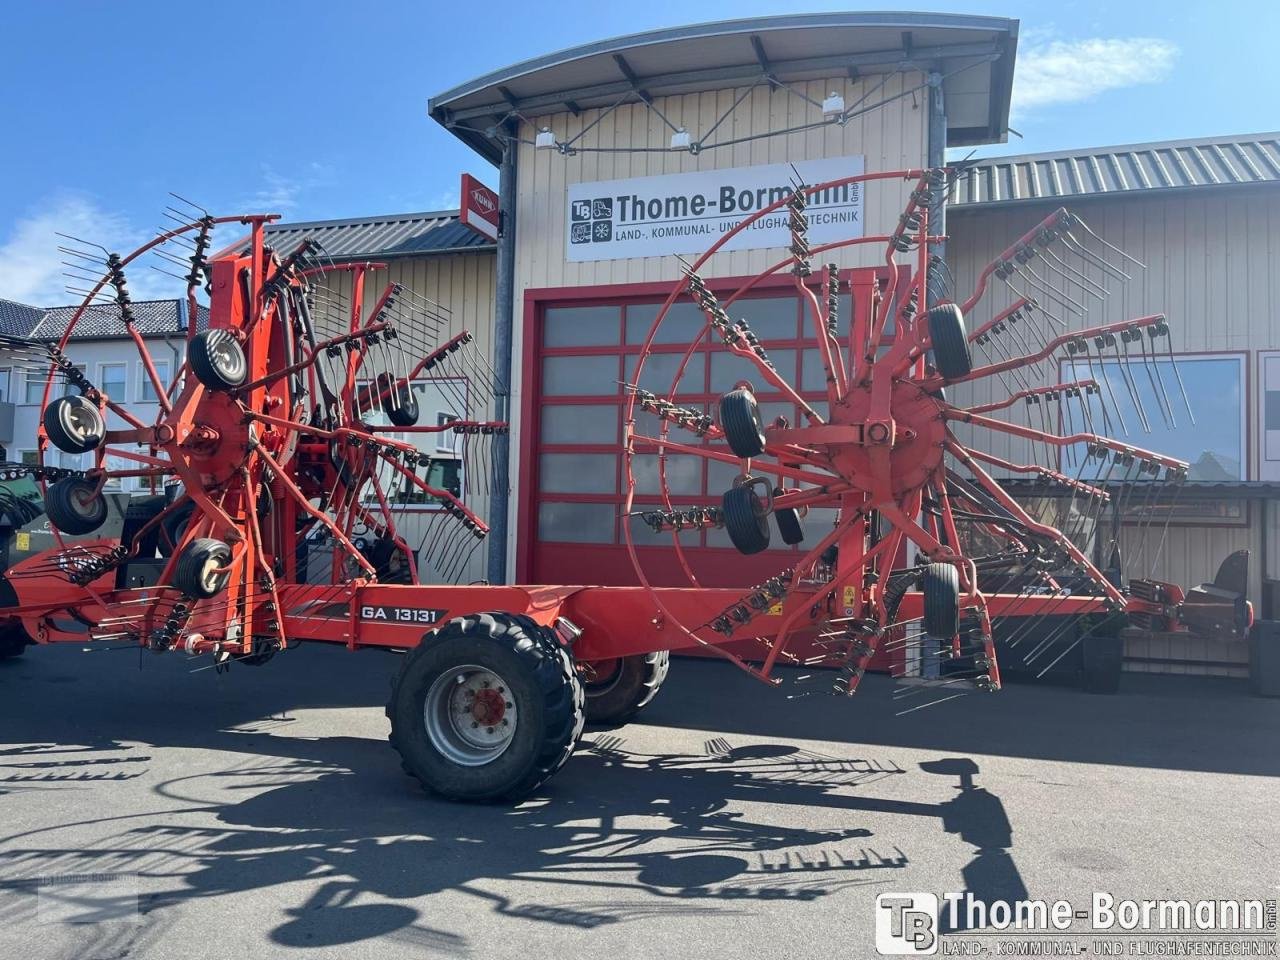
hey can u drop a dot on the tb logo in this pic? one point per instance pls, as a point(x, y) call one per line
point(906, 923)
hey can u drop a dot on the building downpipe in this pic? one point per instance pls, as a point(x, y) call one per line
point(504, 321)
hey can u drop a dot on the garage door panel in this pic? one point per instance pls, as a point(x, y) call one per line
point(578, 480)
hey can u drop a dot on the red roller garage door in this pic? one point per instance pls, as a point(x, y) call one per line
point(581, 345)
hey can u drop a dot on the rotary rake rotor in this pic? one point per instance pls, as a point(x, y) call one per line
point(897, 452)
point(292, 447)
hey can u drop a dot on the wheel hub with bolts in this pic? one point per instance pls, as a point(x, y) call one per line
point(470, 715)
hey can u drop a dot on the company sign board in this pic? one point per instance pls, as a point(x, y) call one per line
point(479, 207)
point(688, 212)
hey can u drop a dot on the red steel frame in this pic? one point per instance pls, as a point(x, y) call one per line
point(207, 442)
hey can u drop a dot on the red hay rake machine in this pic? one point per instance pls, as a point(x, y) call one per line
point(280, 467)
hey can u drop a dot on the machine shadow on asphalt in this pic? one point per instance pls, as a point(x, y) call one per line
point(630, 832)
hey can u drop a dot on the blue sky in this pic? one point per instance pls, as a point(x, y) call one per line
point(318, 109)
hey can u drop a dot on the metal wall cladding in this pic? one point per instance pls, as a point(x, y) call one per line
point(1210, 266)
point(463, 286)
point(891, 137)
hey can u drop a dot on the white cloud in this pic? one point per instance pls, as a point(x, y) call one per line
point(280, 193)
point(1071, 71)
point(32, 268)
point(445, 200)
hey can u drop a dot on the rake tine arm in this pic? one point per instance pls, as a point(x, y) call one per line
point(791, 473)
point(1049, 533)
point(1088, 385)
point(1046, 351)
point(1060, 478)
point(1028, 433)
point(1003, 264)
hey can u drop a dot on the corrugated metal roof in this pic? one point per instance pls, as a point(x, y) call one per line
point(1186, 490)
point(381, 238)
point(1167, 165)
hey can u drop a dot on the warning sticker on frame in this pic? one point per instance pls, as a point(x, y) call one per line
point(688, 212)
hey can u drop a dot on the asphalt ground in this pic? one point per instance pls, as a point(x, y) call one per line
point(152, 809)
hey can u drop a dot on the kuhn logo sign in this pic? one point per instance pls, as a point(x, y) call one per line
point(483, 200)
point(479, 207)
point(687, 212)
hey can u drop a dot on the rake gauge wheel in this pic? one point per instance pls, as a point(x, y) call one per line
point(217, 360)
point(788, 521)
point(746, 519)
point(740, 420)
point(950, 342)
point(399, 403)
point(74, 424)
point(940, 584)
point(202, 568)
point(75, 506)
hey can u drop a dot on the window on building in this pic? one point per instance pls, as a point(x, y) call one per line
point(111, 380)
point(438, 403)
point(447, 441)
point(33, 387)
point(1142, 404)
point(35, 380)
point(5, 374)
point(146, 391)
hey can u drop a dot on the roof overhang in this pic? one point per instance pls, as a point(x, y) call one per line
point(736, 52)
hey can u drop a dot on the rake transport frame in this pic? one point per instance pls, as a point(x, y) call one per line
point(280, 433)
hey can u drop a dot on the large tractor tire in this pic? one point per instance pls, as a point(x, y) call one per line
point(624, 686)
point(486, 708)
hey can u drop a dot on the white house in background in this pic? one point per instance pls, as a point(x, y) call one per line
point(107, 355)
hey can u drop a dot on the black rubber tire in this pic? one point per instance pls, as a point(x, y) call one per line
point(389, 561)
point(741, 423)
point(615, 700)
point(950, 342)
point(788, 522)
point(188, 572)
point(174, 526)
point(72, 506)
point(217, 360)
point(541, 677)
point(13, 641)
point(745, 520)
point(406, 413)
point(940, 584)
point(58, 424)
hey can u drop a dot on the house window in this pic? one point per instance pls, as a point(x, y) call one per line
point(438, 399)
point(146, 391)
point(1142, 404)
point(5, 374)
point(115, 462)
point(447, 441)
point(35, 381)
point(111, 380)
